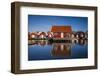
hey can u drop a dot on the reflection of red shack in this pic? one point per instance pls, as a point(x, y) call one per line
point(61, 50)
point(61, 31)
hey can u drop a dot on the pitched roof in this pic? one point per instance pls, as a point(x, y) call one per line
point(61, 29)
point(33, 33)
point(42, 33)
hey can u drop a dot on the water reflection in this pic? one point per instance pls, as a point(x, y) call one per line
point(45, 50)
point(46, 42)
point(61, 49)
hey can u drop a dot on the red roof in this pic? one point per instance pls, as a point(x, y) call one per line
point(61, 29)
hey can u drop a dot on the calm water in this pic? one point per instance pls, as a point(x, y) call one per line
point(43, 50)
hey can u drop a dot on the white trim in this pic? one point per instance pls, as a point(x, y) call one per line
point(62, 35)
point(25, 64)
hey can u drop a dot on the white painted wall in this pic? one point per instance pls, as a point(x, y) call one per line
point(62, 35)
point(5, 30)
point(33, 36)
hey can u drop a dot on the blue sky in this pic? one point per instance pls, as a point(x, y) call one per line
point(43, 23)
